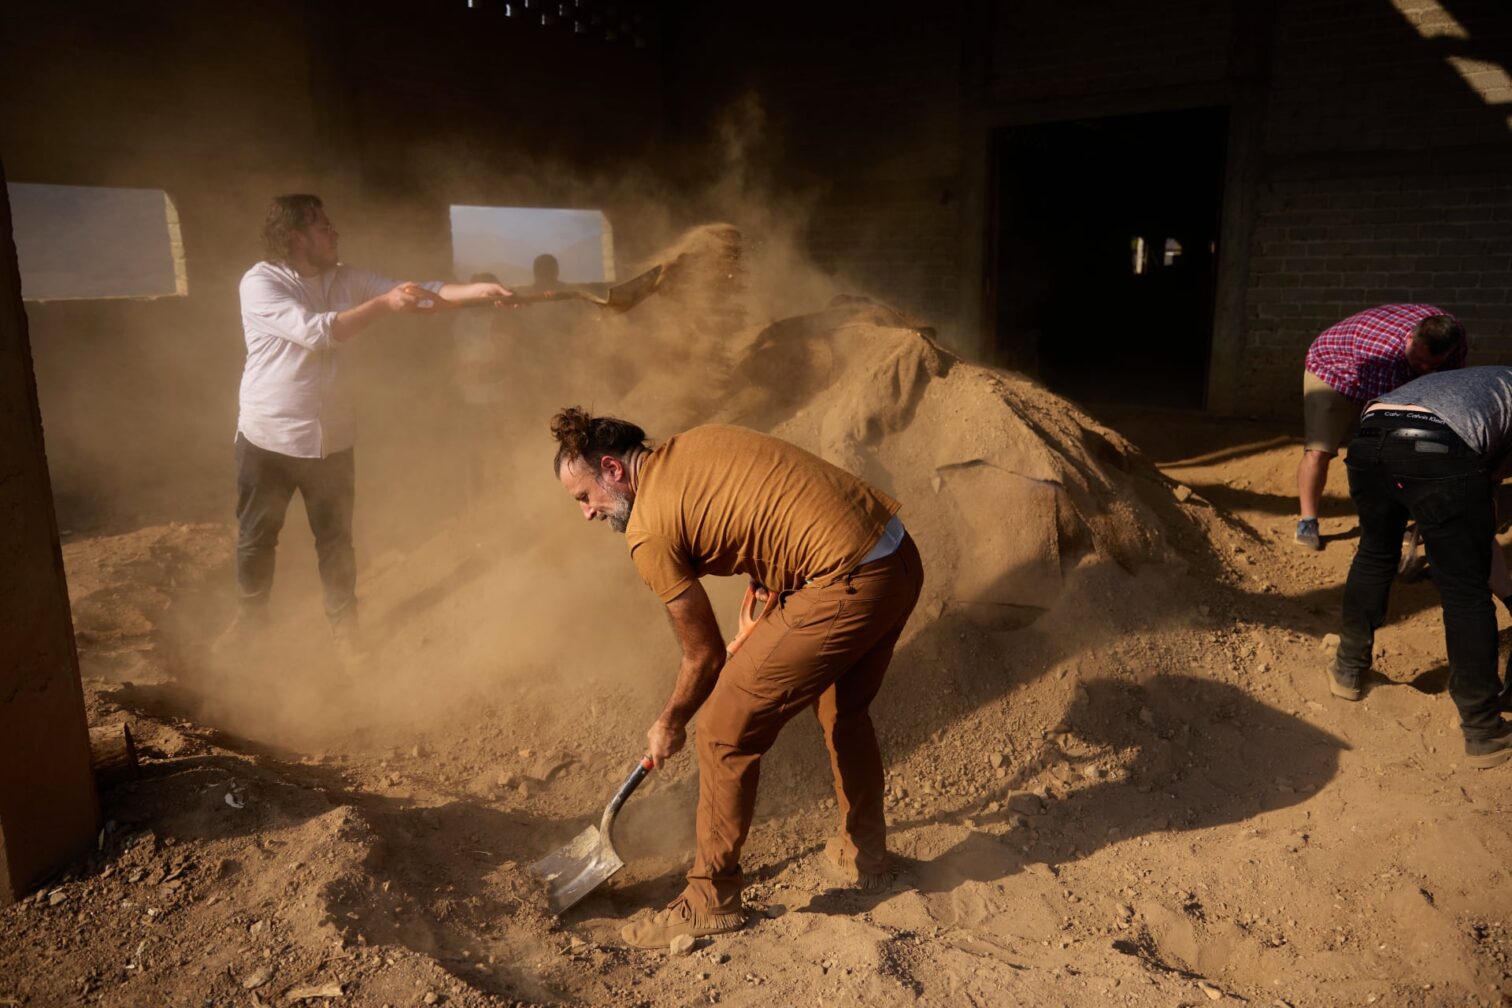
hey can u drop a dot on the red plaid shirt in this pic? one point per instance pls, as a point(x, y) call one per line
point(1365, 356)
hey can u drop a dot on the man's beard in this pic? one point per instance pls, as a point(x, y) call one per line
point(619, 518)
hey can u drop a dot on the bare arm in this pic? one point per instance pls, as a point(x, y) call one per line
point(404, 297)
point(703, 655)
point(460, 292)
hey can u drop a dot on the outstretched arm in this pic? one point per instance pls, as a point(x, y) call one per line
point(703, 655)
point(467, 291)
point(404, 297)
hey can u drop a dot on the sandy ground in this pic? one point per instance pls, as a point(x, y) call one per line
point(1144, 797)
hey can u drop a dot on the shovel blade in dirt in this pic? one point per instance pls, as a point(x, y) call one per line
point(588, 859)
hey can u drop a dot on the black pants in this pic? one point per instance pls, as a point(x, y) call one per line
point(265, 482)
point(1423, 471)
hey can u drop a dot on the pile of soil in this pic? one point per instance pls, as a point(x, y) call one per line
point(1114, 771)
point(1010, 487)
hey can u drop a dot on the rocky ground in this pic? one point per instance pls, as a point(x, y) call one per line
point(1144, 797)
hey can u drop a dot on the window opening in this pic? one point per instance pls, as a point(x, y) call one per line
point(506, 241)
point(85, 242)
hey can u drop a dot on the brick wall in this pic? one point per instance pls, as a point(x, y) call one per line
point(861, 122)
point(1387, 176)
point(1377, 75)
point(1325, 249)
point(898, 243)
point(1045, 51)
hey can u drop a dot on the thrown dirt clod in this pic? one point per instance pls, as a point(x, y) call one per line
point(683, 945)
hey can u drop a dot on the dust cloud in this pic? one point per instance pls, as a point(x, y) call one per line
point(476, 571)
point(479, 582)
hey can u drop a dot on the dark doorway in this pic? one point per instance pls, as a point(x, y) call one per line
point(1103, 267)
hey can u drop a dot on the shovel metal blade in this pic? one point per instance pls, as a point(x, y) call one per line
point(623, 297)
point(576, 869)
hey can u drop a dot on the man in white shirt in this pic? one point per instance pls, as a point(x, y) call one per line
point(301, 308)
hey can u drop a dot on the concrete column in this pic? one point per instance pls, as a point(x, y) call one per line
point(48, 810)
point(1249, 65)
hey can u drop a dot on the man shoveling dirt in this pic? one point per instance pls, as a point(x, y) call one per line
point(843, 578)
point(1433, 451)
point(295, 430)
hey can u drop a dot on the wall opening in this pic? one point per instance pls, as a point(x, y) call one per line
point(80, 242)
point(505, 241)
point(1103, 271)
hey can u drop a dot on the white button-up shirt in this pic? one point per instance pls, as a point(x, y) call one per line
point(296, 393)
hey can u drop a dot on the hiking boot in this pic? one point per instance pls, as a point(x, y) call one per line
point(1484, 754)
point(1344, 685)
point(679, 918)
point(1307, 534)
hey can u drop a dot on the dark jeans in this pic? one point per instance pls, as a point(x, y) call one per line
point(1440, 483)
point(265, 482)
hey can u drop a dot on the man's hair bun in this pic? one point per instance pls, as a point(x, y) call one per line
point(590, 438)
point(570, 428)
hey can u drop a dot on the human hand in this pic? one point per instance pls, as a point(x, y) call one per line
point(411, 297)
point(663, 741)
point(492, 290)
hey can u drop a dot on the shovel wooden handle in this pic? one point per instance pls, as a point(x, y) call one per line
point(516, 300)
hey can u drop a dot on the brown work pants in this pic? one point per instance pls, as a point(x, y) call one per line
point(827, 648)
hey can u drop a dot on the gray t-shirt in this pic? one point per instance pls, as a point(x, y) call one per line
point(1475, 402)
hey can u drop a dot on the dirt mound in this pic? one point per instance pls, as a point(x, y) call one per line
point(1008, 486)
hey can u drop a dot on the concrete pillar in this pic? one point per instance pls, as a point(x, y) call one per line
point(48, 810)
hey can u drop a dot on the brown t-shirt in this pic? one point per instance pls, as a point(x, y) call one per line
point(725, 500)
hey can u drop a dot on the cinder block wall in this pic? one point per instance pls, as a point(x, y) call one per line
point(1369, 157)
point(1387, 177)
point(859, 128)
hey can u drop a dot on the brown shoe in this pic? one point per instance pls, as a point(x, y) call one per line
point(679, 918)
point(843, 870)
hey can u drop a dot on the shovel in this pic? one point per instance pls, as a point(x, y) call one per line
point(573, 871)
point(576, 869)
point(620, 297)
